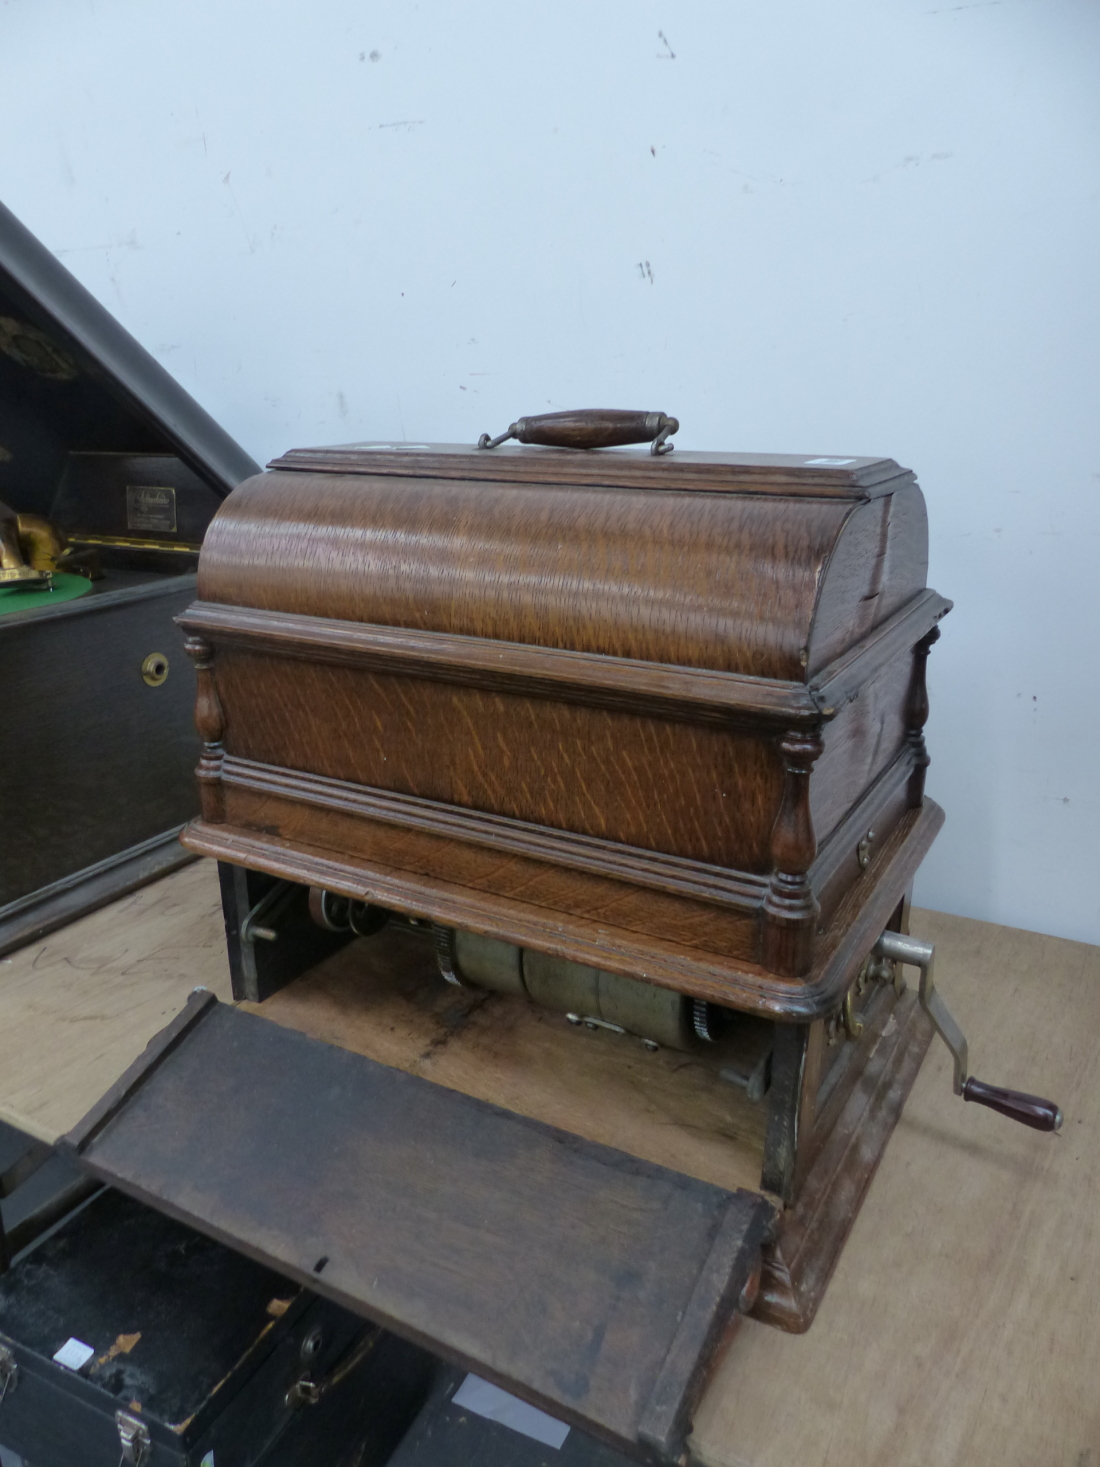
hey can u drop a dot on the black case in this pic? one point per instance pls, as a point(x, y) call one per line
point(96, 766)
point(199, 1345)
point(446, 1435)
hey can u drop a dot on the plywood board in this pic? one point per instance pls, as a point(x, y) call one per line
point(383, 997)
point(77, 1007)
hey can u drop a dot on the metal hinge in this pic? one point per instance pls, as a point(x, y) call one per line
point(9, 1371)
point(133, 1436)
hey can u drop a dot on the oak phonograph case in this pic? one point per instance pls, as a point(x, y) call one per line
point(593, 780)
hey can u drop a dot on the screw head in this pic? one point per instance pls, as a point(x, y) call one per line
point(154, 670)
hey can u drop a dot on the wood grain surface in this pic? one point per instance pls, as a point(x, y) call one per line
point(691, 694)
point(558, 764)
point(729, 582)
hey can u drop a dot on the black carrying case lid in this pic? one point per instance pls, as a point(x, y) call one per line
point(90, 385)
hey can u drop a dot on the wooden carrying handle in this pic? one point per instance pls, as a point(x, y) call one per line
point(590, 428)
point(1031, 1110)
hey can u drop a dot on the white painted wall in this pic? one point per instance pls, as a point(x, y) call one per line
point(865, 226)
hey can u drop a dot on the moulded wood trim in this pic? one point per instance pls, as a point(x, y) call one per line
point(655, 689)
point(859, 919)
point(723, 473)
point(656, 869)
point(841, 680)
point(555, 892)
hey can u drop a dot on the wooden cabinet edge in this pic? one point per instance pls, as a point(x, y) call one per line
point(656, 689)
point(841, 949)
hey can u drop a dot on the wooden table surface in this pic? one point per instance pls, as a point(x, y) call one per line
point(963, 1323)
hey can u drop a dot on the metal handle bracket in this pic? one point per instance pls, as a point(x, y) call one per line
point(901, 949)
point(1030, 1110)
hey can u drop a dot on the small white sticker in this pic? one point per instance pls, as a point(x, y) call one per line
point(483, 1399)
point(392, 447)
point(74, 1354)
point(828, 463)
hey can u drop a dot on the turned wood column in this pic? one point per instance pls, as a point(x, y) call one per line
point(790, 910)
point(917, 717)
point(210, 722)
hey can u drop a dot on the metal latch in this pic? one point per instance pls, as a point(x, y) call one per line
point(1031, 1110)
point(9, 1372)
point(306, 1391)
point(133, 1437)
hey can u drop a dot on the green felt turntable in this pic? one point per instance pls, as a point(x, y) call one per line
point(63, 587)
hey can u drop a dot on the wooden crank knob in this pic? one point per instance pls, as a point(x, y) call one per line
point(590, 428)
point(1029, 1110)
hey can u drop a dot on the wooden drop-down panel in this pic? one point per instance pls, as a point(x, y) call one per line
point(594, 1284)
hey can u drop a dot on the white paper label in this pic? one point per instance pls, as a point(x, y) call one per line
point(828, 463)
point(74, 1354)
point(483, 1399)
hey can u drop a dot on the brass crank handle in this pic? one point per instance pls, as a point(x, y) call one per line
point(590, 428)
point(1029, 1110)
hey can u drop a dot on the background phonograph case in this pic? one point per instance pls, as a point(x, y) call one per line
point(109, 475)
